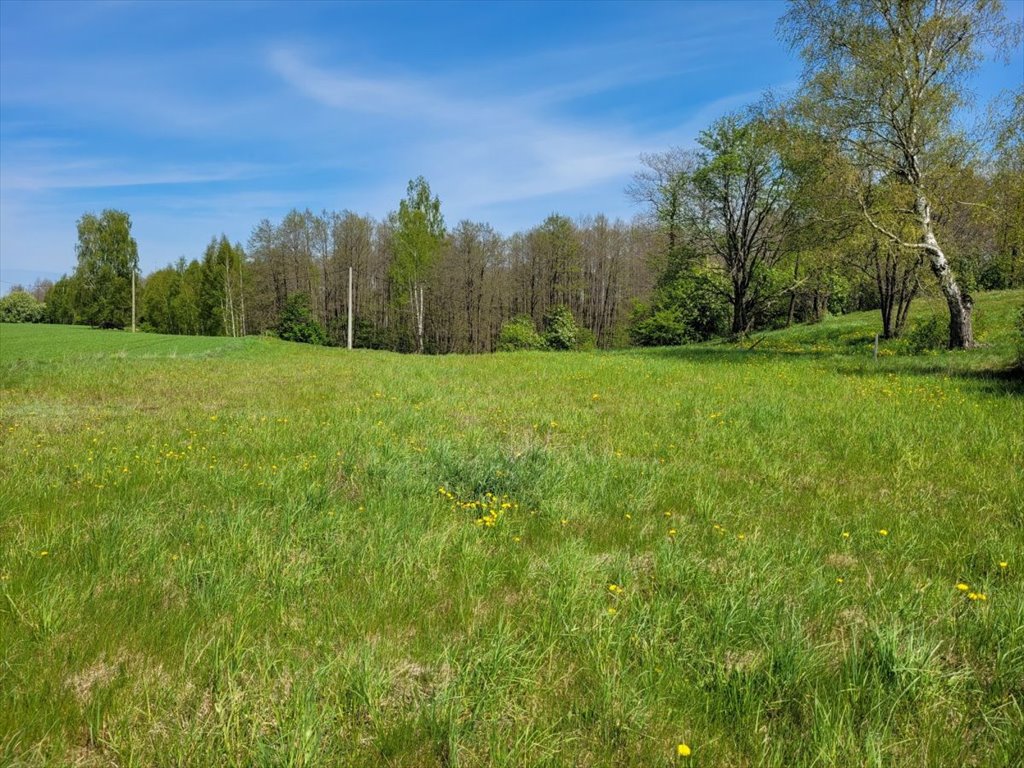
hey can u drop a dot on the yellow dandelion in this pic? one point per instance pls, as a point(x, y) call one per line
point(1003, 564)
point(43, 552)
point(846, 534)
point(683, 750)
point(962, 587)
point(883, 531)
point(595, 396)
point(839, 580)
point(629, 516)
point(671, 531)
point(612, 611)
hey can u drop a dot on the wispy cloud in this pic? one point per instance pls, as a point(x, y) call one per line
point(480, 148)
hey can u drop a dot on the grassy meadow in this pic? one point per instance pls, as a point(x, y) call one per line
point(244, 552)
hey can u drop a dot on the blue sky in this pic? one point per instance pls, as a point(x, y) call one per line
point(199, 118)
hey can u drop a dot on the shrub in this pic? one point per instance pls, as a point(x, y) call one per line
point(561, 330)
point(926, 335)
point(689, 308)
point(519, 333)
point(659, 328)
point(297, 322)
point(21, 307)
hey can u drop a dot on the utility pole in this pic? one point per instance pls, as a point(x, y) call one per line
point(350, 307)
point(133, 299)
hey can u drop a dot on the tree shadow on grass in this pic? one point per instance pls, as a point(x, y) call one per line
point(1005, 380)
point(996, 377)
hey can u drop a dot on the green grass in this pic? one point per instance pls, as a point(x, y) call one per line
point(248, 560)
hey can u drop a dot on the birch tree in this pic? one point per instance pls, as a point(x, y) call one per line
point(418, 237)
point(884, 79)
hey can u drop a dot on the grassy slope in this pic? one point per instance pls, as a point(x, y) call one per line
point(248, 559)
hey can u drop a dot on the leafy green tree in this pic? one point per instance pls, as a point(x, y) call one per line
point(21, 307)
point(297, 322)
point(62, 301)
point(740, 209)
point(159, 291)
point(884, 79)
point(107, 258)
point(221, 295)
point(186, 304)
point(661, 188)
point(418, 236)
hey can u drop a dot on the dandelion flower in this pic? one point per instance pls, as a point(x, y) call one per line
point(962, 587)
point(671, 531)
point(612, 611)
point(43, 553)
point(883, 531)
point(846, 534)
point(683, 750)
point(839, 580)
point(1003, 564)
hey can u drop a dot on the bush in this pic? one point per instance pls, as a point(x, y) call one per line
point(927, 335)
point(519, 333)
point(297, 322)
point(21, 307)
point(561, 330)
point(687, 309)
point(659, 328)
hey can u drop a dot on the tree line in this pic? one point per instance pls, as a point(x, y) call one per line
point(840, 198)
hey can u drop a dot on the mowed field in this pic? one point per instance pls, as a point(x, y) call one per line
point(252, 553)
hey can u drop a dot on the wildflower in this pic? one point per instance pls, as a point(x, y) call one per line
point(846, 534)
point(962, 587)
point(564, 521)
point(615, 589)
point(671, 532)
point(741, 536)
point(683, 750)
point(1003, 564)
point(668, 514)
point(612, 611)
point(629, 516)
point(43, 552)
point(516, 539)
point(883, 531)
point(595, 396)
point(839, 580)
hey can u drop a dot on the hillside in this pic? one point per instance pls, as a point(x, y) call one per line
point(250, 552)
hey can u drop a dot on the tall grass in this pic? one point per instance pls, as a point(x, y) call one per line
point(246, 552)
